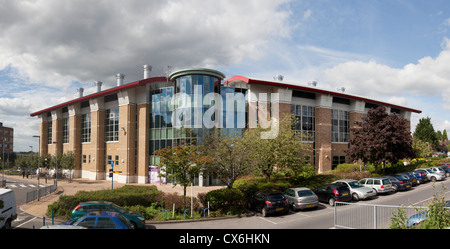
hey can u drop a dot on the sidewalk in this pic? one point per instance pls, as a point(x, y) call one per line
point(39, 208)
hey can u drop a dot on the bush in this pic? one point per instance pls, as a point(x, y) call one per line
point(227, 201)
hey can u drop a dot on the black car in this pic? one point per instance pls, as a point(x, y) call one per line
point(412, 177)
point(268, 202)
point(330, 193)
point(400, 182)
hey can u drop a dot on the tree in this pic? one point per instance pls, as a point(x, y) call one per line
point(284, 152)
point(68, 161)
point(181, 163)
point(231, 153)
point(421, 149)
point(425, 132)
point(380, 138)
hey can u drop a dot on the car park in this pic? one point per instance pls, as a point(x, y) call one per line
point(136, 219)
point(400, 182)
point(330, 193)
point(101, 220)
point(378, 184)
point(268, 202)
point(301, 198)
point(357, 190)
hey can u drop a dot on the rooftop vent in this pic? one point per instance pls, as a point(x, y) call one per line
point(312, 83)
point(147, 71)
point(98, 84)
point(120, 78)
point(80, 92)
point(341, 89)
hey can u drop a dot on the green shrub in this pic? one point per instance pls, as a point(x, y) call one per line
point(230, 201)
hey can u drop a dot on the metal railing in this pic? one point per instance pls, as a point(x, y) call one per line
point(365, 216)
point(41, 192)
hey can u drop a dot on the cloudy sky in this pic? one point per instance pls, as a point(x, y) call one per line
point(393, 50)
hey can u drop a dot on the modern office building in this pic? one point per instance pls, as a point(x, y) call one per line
point(6, 139)
point(127, 123)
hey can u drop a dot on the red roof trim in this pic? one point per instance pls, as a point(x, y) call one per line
point(311, 89)
point(105, 92)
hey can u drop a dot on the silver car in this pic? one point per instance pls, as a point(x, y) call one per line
point(301, 198)
point(433, 175)
point(357, 190)
point(378, 184)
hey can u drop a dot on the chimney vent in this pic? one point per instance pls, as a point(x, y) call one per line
point(80, 92)
point(147, 71)
point(120, 78)
point(98, 84)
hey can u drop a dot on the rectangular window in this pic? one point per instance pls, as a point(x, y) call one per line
point(116, 161)
point(337, 160)
point(340, 129)
point(112, 124)
point(49, 132)
point(65, 130)
point(86, 128)
point(84, 158)
point(305, 118)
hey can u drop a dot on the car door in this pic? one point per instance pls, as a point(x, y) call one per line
point(320, 191)
point(290, 195)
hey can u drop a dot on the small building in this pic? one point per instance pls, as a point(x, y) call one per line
point(6, 139)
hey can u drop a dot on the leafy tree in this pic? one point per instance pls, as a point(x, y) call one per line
point(284, 152)
point(425, 132)
point(380, 138)
point(421, 149)
point(231, 153)
point(181, 163)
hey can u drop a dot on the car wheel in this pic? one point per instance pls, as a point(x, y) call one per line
point(433, 179)
point(395, 188)
point(375, 191)
point(331, 201)
point(355, 197)
point(133, 225)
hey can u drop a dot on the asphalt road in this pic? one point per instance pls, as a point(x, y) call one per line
point(320, 218)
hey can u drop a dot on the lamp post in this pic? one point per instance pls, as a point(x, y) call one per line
point(39, 163)
point(3, 160)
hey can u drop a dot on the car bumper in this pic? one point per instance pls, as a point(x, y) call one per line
point(367, 195)
point(306, 205)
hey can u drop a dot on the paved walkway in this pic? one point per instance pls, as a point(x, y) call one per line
point(39, 208)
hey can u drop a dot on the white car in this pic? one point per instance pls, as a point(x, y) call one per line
point(8, 210)
point(357, 190)
point(433, 175)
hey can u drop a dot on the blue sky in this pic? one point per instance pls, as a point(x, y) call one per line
point(395, 51)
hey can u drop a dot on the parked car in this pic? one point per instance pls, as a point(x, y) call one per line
point(357, 190)
point(416, 219)
point(414, 180)
point(438, 169)
point(301, 198)
point(330, 193)
point(101, 220)
point(378, 184)
point(400, 182)
point(268, 202)
point(423, 174)
point(432, 175)
point(136, 219)
point(446, 168)
point(419, 177)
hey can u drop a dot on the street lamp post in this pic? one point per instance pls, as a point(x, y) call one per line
point(39, 163)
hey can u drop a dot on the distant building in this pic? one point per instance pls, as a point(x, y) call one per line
point(6, 139)
point(127, 123)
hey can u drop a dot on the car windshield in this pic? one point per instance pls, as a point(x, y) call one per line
point(275, 197)
point(355, 184)
point(386, 181)
point(400, 177)
point(303, 193)
point(119, 209)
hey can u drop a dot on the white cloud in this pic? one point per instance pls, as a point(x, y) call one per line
point(429, 76)
point(83, 40)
